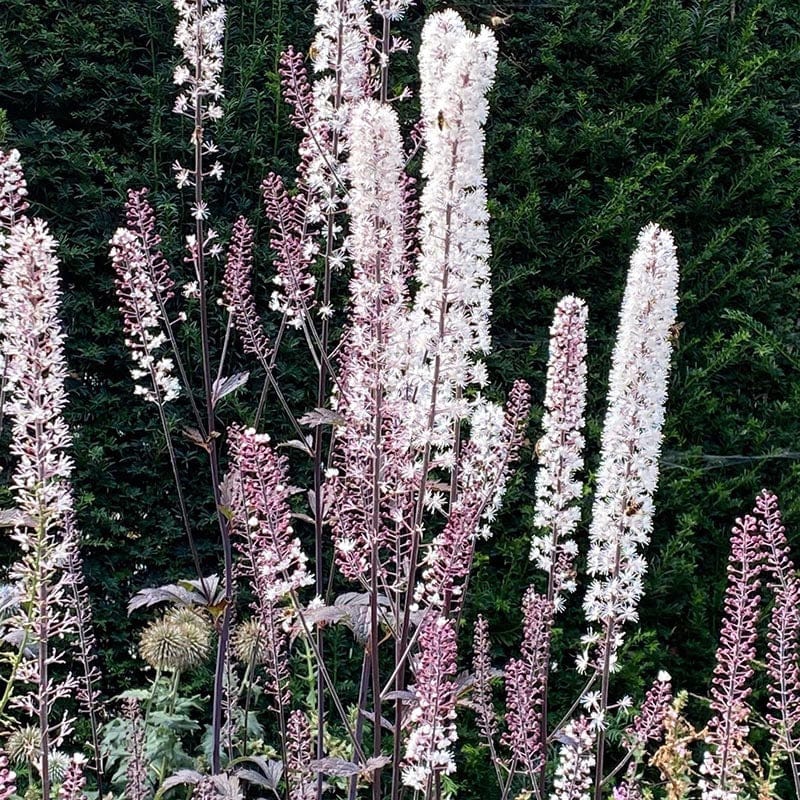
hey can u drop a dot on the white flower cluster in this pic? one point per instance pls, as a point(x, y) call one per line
point(378, 287)
point(622, 518)
point(560, 450)
point(199, 34)
point(13, 191)
point(391, 9)
point(709, 789)
point(33, 346)
point(449, 322)
point(341, 47)
point(142, 315)
point(573, 778)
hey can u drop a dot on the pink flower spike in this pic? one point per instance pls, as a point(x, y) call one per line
point(723, 767)
point(13, 189)
point(238, 292)
point(429, 749)
point(525, 679)
point(783, 631)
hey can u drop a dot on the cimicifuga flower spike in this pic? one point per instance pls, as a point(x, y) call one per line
point(294, 249)
point(8, 778)
point(525, 680)
point(262, 514)
point(648, 725)
point(371, 493)
point(573, 778)
point(449, 323)
point(783, 631)
point(723, 767)
point(301, 779)
point(13, 191)
point(143, 288)
point(238, 292)
point(340, 47)
point(33, 346)
point(560, 451)
point(482, 475)
point(273, 557)
point(432, 721)
point(137, 786)
point(482, 689)
point(622, 517)
point(199, 34)
point(74, 783)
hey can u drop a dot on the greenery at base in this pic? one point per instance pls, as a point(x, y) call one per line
point(605, 115)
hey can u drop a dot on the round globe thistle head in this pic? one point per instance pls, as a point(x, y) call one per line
point(249, 643)
point(179, 641)
point(24, 745)
point(58, 763)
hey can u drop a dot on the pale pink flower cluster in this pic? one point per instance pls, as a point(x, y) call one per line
point(294, 250)
point(143, 287)
point(72, 787)
point(526, 681)
point(482, 689)
point(199, 34)
point(273, 559)
point(262, 515)
point(622, 517)
point(35, 365)
point(723, 767)
point(560, 450)
point(482, 475)
point(576, 759)
point(300, 778)
point(429, 747)
point(33, 345)
point(373, 412)
point(648, 725)
point(783, 631)
point(8, 778)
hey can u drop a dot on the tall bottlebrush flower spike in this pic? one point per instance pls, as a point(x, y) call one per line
point(262, 514)
point(238, 292)
point(13, 191)
point(448, 326)
point(294, 249)
point(199, 35)
point(482, 689)
point(375, 436)
point(483, 471)
point(429, 748)
point(622, 517)
point(560, 450)
point(648, 725)
point(783, 631)
point(723, 767)
point(525, 679)
point(35, 370)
